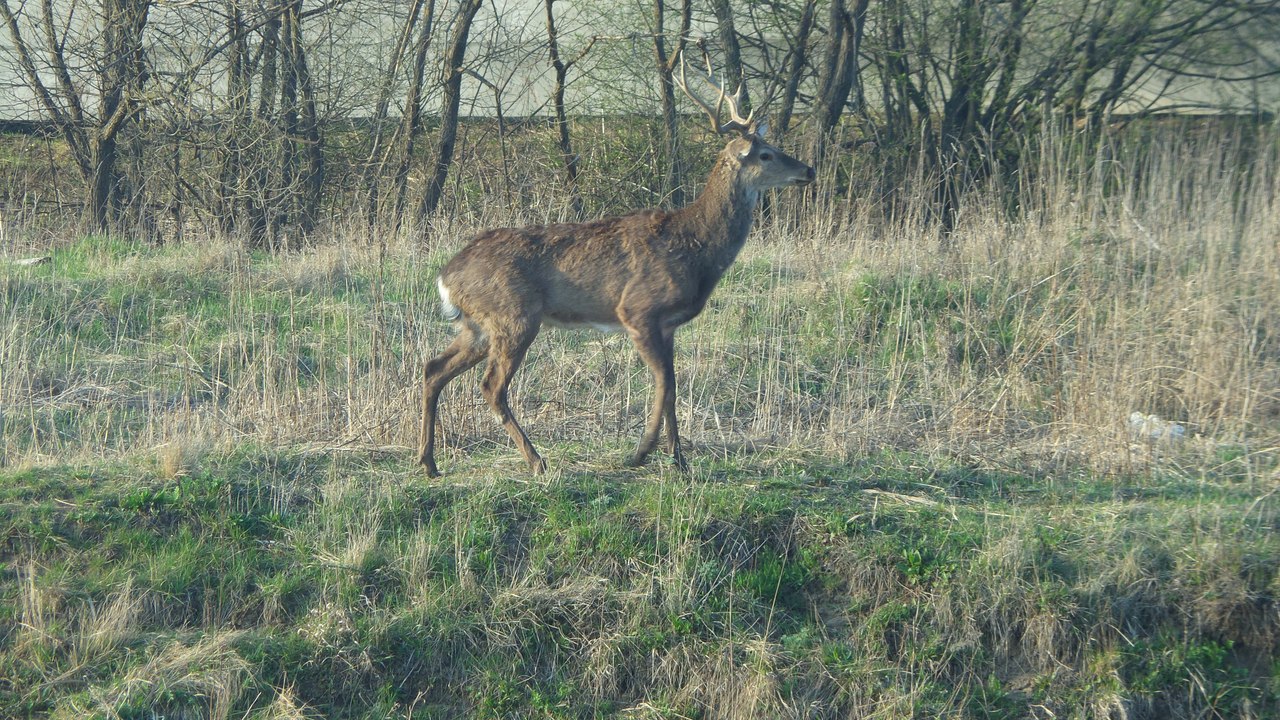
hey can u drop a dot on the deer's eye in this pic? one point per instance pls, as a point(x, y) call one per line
point(766, 156)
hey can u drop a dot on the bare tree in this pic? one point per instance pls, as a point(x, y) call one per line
point(226, 105)
point(303, 160)
point(840, 67)
point(271, 167)
point(122, 74)
point(961, 84)
point(411, 119)
point(561, 68)
point(727, 30)
point(380, 148)
point(666, 63)
point(238, 92)
point(799, 56)
point(454, 59)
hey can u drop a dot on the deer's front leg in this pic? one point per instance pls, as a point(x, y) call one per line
point(657, 350)
point(669, 404)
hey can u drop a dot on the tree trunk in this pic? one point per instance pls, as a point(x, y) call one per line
point(961, 110)
point(1009, 53)
point(673, 180)
point(411, 121)
point(901, 96)
point(453, 62)
point(122, 79)
point(102, 182)
point(306, 130)
point(799, 56)
point(270, 51)
point(734, 73)
point(377, 160)
point(230, 165)
point(840, 73)
point(567, 155)
point(256, 199)
point(561, 68)
point(281, 215)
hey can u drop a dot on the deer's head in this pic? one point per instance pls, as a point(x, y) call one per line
point(759, 165)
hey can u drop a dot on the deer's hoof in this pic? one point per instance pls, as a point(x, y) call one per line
point(538, 466)
point(429, 464)
point(681, 464)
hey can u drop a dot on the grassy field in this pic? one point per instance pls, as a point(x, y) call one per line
point(917, 489)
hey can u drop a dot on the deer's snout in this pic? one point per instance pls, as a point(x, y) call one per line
point(807, 176)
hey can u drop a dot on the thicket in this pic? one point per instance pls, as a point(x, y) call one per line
point(259, 121)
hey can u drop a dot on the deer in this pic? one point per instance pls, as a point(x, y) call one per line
point(645, 273)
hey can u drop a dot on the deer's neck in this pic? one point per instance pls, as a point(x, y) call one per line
point(721, 216)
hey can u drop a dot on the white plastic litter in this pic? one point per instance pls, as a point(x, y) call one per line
point(1153, 427)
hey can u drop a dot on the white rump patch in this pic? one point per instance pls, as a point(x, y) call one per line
point(450, 311)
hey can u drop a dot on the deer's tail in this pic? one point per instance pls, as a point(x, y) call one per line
point(447, 308)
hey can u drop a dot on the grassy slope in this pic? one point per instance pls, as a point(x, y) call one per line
point(913, 491)
point(765, 585)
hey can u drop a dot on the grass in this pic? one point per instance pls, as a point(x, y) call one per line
point(761, 585)
point(915, 491)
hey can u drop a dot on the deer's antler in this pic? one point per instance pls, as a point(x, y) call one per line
point(736, 122)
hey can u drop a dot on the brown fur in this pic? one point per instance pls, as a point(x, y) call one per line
point(646, 273)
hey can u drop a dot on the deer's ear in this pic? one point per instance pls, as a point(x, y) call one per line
point(760, 128)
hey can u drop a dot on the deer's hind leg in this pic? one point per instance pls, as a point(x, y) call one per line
point(506, 352)
point(466, 350)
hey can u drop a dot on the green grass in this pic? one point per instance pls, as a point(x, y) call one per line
point(258, 579)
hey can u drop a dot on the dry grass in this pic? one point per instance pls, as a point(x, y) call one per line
point(1028, 338)
point(207, 671)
